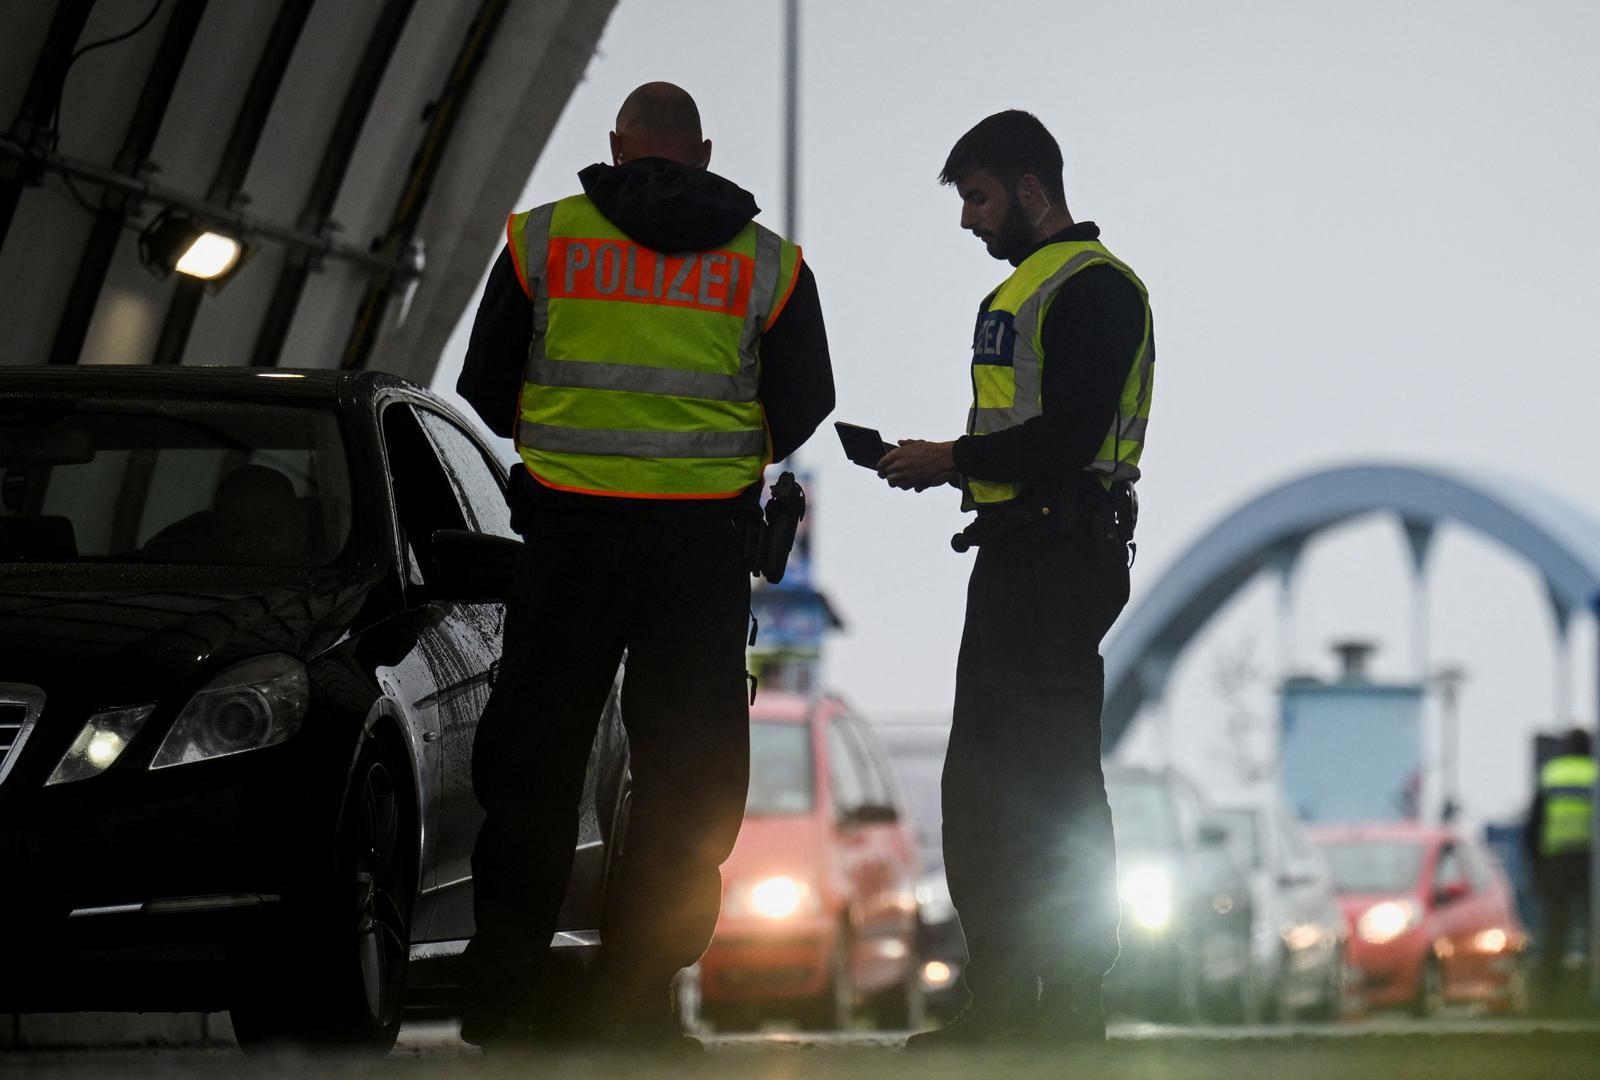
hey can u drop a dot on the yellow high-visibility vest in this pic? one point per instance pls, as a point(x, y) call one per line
point(1008, 366)
point(642, 373)
point(1567, 784)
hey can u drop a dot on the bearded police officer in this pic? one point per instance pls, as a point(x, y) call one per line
point(1062, 364)
point(651, 349)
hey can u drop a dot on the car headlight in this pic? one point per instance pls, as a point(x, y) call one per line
point(934, 905)
point(1384, 922)
point(777, 897)
point(1147, 896)
point(100, 743)
point(1493, 940)
point(257, 703)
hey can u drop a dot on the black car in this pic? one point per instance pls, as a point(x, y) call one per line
point(248, 621)
point(1186, 924)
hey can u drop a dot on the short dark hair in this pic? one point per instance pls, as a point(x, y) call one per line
point(1009, 145)
point(1577, 741)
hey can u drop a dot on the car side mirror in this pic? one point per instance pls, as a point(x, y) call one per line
point(473, 567)
point(1449, 894)
point(1213, 835)
point(869, 814)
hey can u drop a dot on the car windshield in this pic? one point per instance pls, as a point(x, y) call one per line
point(175, 481)
point(780, 770)
point(1141, 813)
point(1373, 866)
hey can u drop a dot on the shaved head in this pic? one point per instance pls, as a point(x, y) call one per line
point(660, 120)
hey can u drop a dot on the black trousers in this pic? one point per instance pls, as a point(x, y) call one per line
point(1562, 882)
point(1027, 830)
point(675, 595)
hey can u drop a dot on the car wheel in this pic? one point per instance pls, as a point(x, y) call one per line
point(349, 991)
point(1330, 1004)
point(1237, 1002)
point(1515, 1000)
point(1178, 1001)
point(901, 1007)
point(1430, 989)
point(834, 1009)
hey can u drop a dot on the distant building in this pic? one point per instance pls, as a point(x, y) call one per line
point(1351, 749)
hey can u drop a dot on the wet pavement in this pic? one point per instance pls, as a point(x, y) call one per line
point(1451, 1048)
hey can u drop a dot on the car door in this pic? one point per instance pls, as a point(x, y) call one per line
point(454, 645)
point(888, 865)
point(1456, 915)
point(849, 842)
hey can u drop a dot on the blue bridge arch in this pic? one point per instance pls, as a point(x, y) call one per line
point(1558, 538)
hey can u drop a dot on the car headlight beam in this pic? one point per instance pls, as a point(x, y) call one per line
point(257, 703)
point(100, 743)
point(777, 897)
point(1383, 922)
point(1147, 896)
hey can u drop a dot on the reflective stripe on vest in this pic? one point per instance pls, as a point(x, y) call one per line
point(1567, 784)
point(642, 374)
point(1008, 361)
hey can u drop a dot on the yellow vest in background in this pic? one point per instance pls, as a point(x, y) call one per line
point(1567, 784)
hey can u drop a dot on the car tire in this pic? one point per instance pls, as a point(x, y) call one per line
point(902, 1007)
point(349, 992)
point(1330, 1005)
point(834, 1009)
point(1430, 989)
point(1178, 1001)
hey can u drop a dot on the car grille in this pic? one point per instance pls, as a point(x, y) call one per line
point(20, 706)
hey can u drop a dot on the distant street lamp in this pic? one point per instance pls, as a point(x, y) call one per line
point(1447, 680)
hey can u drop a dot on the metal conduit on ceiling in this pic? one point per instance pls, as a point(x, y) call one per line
point(414, 197)
point(41, 102)
point(337, 152)
point(235, 163)
point(131, 161)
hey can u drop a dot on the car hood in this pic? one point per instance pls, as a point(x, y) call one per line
point(776, 845)
point(126, 639)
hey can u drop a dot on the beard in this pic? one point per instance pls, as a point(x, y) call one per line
point(1015, 236)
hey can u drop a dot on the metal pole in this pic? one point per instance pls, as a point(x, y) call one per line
point(791, 118)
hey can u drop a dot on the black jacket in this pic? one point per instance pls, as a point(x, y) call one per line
point(1091, 333)
point(666, 207)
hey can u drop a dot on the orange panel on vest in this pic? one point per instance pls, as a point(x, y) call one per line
point(601, 269)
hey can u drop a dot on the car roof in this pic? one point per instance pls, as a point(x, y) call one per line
point(785, 707)
point(1356, 832)
point(198, 380)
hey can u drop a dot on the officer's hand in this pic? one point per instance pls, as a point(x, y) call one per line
point(918, 465)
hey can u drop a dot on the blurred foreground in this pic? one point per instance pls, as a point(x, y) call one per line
point(1465, 1048)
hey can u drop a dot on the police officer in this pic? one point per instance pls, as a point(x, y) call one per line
point(1062, 362)
point(651, 349)
point(1560, 825)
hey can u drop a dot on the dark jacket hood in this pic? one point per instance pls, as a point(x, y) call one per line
point(669, 207)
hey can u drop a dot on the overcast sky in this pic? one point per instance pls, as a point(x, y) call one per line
point(1370, 233)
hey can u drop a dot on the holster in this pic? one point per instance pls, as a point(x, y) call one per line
point(769, 539)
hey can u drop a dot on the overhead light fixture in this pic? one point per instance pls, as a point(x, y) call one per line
point(176, 241)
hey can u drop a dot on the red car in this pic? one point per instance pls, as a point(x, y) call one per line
point(819, 910)
point(1430, 916)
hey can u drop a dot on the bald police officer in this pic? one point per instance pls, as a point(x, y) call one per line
point(651, 349)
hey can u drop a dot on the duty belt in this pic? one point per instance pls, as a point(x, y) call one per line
point(1110, 517)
